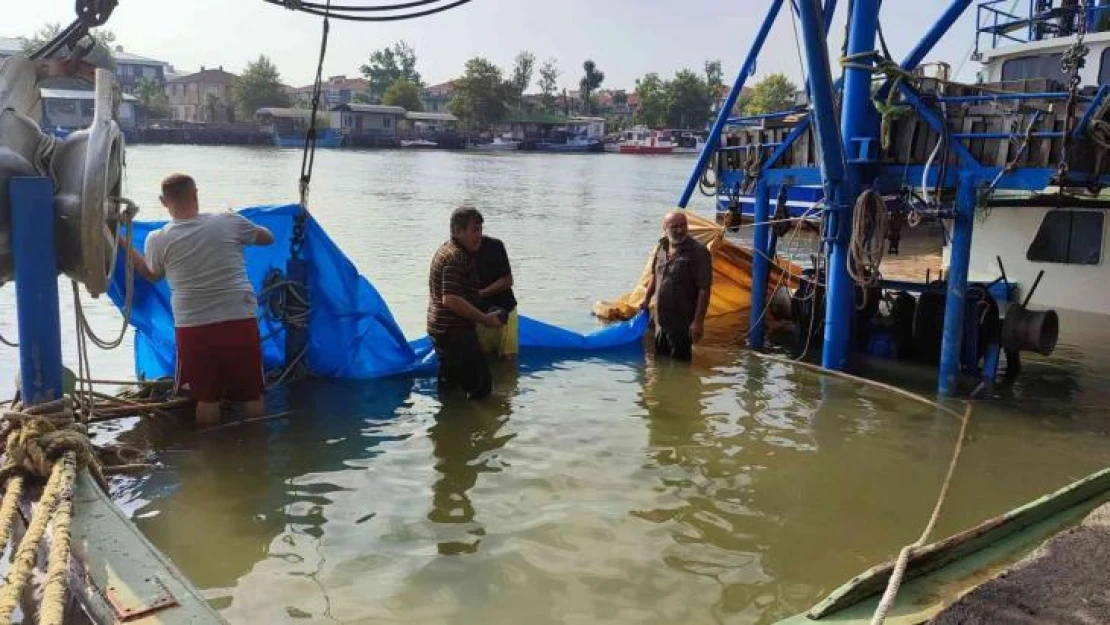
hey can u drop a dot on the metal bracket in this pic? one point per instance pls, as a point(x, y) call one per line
point(128, 604)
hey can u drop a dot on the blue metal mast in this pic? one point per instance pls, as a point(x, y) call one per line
point(714, 140)
point(36, 289)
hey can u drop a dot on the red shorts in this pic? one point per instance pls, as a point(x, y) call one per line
point(220, 361)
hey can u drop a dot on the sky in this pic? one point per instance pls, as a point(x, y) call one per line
point(625, 38)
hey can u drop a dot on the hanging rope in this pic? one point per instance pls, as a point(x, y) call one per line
point(865, 249)
point(892, 587)
point(127, 216)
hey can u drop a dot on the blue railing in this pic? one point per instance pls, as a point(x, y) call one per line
point(1022, 21)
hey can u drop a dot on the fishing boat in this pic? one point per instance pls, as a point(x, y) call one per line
point(499, 144)
point(564, 142)
point(940, 574)
point(643, 140)
point(325, 138)
point(1002, 137)
point(418, 143)
point(688, 141)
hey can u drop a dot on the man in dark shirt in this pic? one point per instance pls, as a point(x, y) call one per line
point(680, 283)
point(453, 308)
point(495, 279)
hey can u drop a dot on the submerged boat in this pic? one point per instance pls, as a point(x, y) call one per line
point(940, 574)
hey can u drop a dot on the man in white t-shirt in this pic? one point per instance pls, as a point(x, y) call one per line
point(219, 353)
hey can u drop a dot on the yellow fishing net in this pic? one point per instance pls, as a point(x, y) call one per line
point(732, 276)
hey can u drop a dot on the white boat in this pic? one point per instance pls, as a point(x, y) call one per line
point(1067, 241)
point(643, 140)
point(418, 143)
point(499, 144)
point(686, 142)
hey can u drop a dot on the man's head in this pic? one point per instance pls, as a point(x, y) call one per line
point(466, 228)
point(179, 195)
point(674, 226)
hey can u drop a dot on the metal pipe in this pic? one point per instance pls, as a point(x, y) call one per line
point(830, 12)
point(753, 118)
point(858, 122)
point(821, 100)
point(1006, 135)
point(827, 133)
point(714, 139)
point(1052, 95)
point(935, 34)
point(36, 289)
point(761, 266)
point(958, 263)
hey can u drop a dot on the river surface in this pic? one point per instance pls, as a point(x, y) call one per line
point(609, 489)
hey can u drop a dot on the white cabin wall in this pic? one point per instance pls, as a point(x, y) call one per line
point(1008, 233)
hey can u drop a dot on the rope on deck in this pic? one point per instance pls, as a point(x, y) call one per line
point(42, 442)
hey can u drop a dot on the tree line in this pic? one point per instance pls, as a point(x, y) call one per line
point(485, 94)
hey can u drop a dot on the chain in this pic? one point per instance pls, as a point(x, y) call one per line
point(1073, 60)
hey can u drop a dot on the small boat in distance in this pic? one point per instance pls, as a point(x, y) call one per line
point(499, 144)
point(418, 143)
point(688, 141)
point(642, 140)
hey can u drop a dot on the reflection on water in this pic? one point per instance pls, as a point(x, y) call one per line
point(616, 488)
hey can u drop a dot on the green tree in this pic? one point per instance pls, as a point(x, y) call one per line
point(620, 97)
point(549, 82)
point(153, 98)
point(591, 80)
point(714, 80)
point(481, 95)
point(653, 95)
point(403, 94)
point(387, 66)
point(361, 98)
point(46, 33)
point(688, 100)
point(259, 86)
point(773, 93)
point(522, 73)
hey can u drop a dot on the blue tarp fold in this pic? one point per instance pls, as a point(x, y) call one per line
point(352, 333)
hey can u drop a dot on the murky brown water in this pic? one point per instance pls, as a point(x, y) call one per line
point(611, 489)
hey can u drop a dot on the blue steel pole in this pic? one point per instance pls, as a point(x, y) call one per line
point(935, 34)
point(859, 126)
point(761, 266)
point(830, 12)
point(36, 289)
point(958, 261)
point(714, 140)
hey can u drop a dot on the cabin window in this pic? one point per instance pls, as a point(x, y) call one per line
point(1071, 237)
point(1030, 67)
point(1104, 68)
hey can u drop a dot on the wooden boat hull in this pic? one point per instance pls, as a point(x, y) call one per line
point(940, 573)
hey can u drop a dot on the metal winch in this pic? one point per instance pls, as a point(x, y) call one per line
point(86, 167)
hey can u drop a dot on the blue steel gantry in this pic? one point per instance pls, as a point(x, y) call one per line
point(846, 126)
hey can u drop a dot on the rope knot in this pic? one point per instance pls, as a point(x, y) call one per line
point(40, 442)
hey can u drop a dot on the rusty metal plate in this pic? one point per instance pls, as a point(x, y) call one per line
point(130, 602)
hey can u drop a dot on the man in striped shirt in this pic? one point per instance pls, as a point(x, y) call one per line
point(453, 313)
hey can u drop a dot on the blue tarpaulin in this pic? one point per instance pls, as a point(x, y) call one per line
point(351, 332)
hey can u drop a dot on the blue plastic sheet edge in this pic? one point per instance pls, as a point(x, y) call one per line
point(352, 333)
